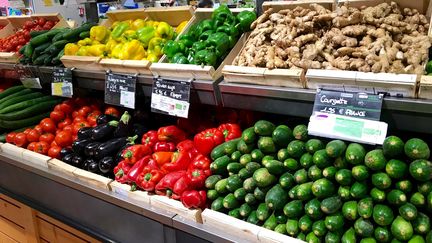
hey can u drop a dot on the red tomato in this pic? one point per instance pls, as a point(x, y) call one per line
point(31, 146)
point(38, 128)
point(77, 126)
point(41, 147)
point(53, 143)
point(84, 111)
point(66, 108)
point(64, 138)
point(41, 21)
point(80, 101)
point(10, 137)
point(48, 125)
point(33, 135)
point(57, 108)
point(20, 139)
point(92, 117)
point(75, 114)
point(27, 131)
point(78, 119)
point(112, 111)
point(57, 116)
point(64, 122)
point(68, 128)
point(54, 152)
point(47, 137)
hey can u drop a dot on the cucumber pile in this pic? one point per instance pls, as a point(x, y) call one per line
point(21, 107)
point(46, 47)
point(320, 191)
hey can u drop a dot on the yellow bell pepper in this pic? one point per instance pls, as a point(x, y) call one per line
point(71, 49)
point(110, 45)
point(98, 33)
point(156, 45)
point(138, 24)
point(132, 50)
point(181, 26)
point(85, 42)
point(130, 35)
point(95, 42)
point(114, 24)
point(83, 51)
point(165, 31)
point(152, 57)
point(115, 52)
point(96, 50)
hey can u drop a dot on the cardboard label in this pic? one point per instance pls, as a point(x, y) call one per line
point(171, 97)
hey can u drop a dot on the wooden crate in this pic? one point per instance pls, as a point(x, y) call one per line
point(34, 158)
point(125, 191)
point(13, 151)
point(60, 166)
point(191, 71)
point(173, 16)
point(92, 179)
point(177, 207)
point(398, 85)
point(82, 62)
point(15, 22)
point(425, 87)
point(272, 77)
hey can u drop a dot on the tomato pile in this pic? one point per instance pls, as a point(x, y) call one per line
point(14, 42)
point(1, 27)
point(61, 128)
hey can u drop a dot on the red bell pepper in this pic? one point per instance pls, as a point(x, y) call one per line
point(206, 140)
point(189, 147)
point(180, 186)
point(135, 152)
point(148, 179)
point(164, 147)
point(171, 134)
point(230, 131)
point(200, 162)
point(194, 199)
point(162, 158)
point(179, 161)
point(197, 178)
point(121, 171)
point(150, 138)
point(137, 168)
point(166, 184)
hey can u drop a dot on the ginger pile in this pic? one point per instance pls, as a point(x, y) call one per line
point(383, 38)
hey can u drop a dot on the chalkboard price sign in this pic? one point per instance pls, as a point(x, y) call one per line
point(120, 89)
point(62, 82)
point(27, 77)
point(171, 97)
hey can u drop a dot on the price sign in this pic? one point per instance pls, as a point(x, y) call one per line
point(62, 82)
point(120, 89)
point(351, 116)
point(171, 97)
point(27, 77)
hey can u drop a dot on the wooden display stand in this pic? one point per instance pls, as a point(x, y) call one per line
point(20, 223)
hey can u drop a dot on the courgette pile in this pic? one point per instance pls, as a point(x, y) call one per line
point(47, 47)
point(21, 107)
point(303, 187)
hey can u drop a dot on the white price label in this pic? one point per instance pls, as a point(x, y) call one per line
point(172, 106)
point(31, 83)
point(63, 89)
point(127, 99)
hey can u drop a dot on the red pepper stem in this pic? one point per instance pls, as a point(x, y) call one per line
point(131, 140)
point(120, 173)
point(196, 173)
point(147, 176)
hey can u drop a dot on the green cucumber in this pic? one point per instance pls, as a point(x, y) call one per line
point(74, 33)
point(425, 188)
point(416, 148)
point(286, 181)
point(219, 166)
point(275, 167)
point(305, 223)
point(306, 160)
point(264, 128)
point(334, 222)
point(313, 145)
point(408, 211)
point(21, 98)
point(11, 90)
point(270, 223)
point(330, 172)
point(244, 147)
point(291, 164)
point(265, 144)
point(235, 213)
point(281, 229)
point(217, 205)
point(375, 160)
point(250, 199)
point(212, 194)
point(314, 173)
point(393, 147)
point(234, 167)
point(429, 237)
point(377, 195)
point(417, 239)
point(263, 177)
point(230, 202)
point(349, 236)
point(249, 135)
point(333, 237)
point(319, 228)
point(211, 181)
point(323, 188)
point(244, 173)
point(382, 215)
point(355, 153)
point(292, 227)
point(266, 159)
point(335, 148)
point(421, 170)
point(260, 193)
point(396, 197)
point(256, 155)
point(418, 199)
point(233, 183)
point(249, 184)
point(276, 198)
point(381, 180)
point(321, 159)
point(84, 34)
point(30, 111)
point(263, 212)
point(226, 148)
point(282, 135)
point(313, 209)
point(360, 172)
point(282, 154)
point(405, 186)
point(221, 186)
point(15, 95)
point(341, 163)
point(363, 227)
point(365, 207)
point(252, 166)
point(296, 148)
point(23, 122)
point(331, 205)
point(344, 177)
point(253, 219)
point(382, 234)
point(236, 156)
point(293, 209)
point(304, 191)
point(300, 132)
point(401, 229)
point(310, 238)
point(281, 218)
point(421, 224)
point(349, 210)
point(240, 194)
point(358, 190)
point(344, 192)
point(24, 104)
point(396, 169)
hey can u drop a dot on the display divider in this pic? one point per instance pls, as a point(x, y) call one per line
point(177, 207)
point(125, 190)
point(60, 166)
point(35, 158)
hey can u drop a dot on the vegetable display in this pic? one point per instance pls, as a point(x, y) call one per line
point(383, 38)
point(209, 41)
point(127, 40)
point(15, 42)
point(282, 180)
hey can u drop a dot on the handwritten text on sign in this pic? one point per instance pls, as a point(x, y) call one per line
point(171, 97)
point(120, 89)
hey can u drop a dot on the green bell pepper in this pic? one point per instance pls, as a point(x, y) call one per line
point(145, 34)
point(206, 58)
point(205, 35)
point(198, 46)
point(191, 58)
point(187, 40)
point(203, 26)
point(171, 48)
point(220, 41)
point(228, 29)
point(232, 41)
point(223, 8)
point(179, 58)
point(245, 19)
point(119, 30)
